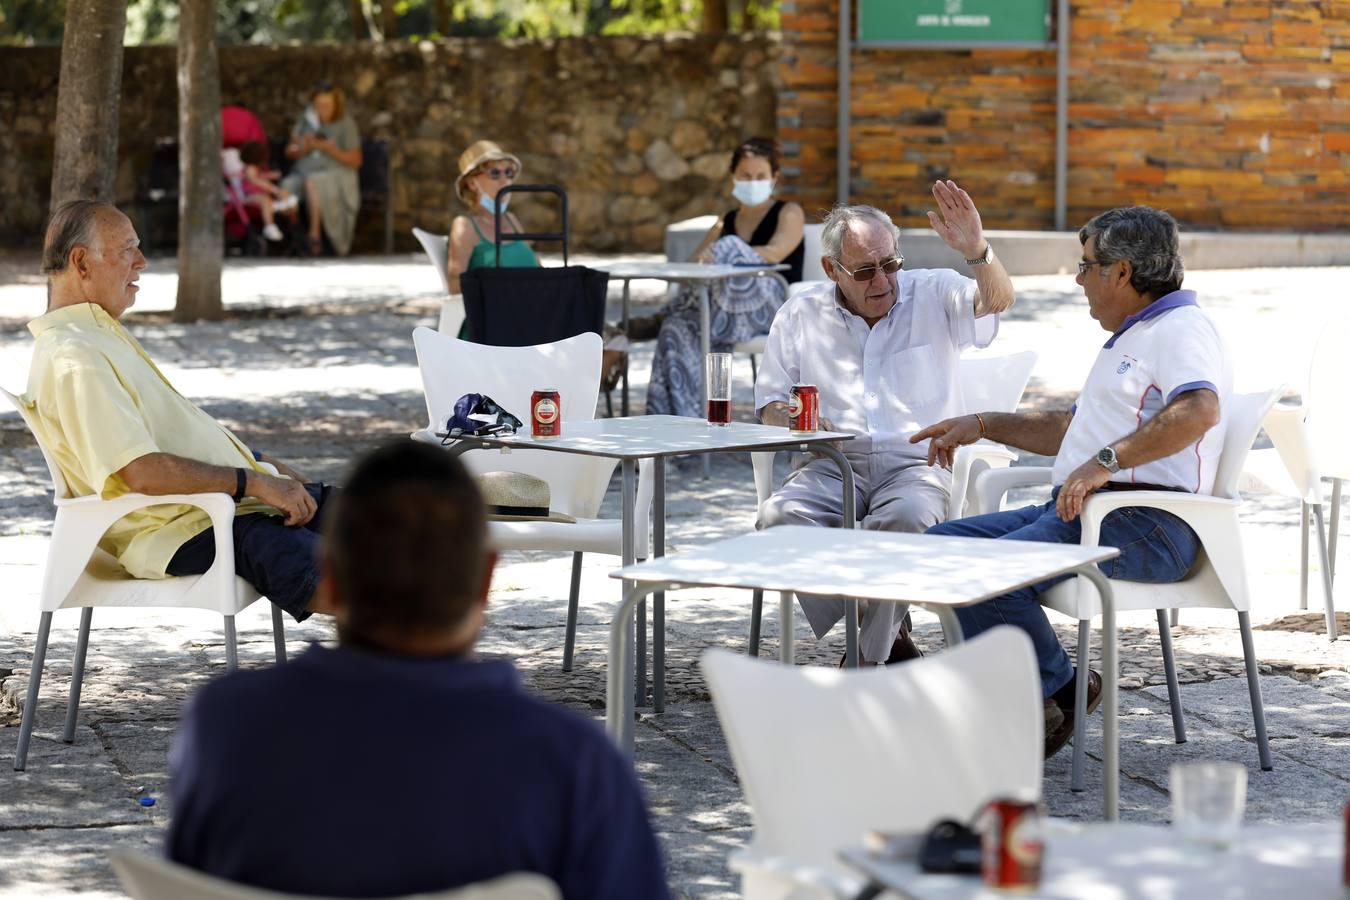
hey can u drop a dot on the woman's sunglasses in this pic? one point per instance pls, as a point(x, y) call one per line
point(867, 273)
point(498, 174)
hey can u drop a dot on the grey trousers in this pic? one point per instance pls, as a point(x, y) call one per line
point(894, 493)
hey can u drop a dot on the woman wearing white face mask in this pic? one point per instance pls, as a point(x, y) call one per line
point(759, 230)
point(484, 169)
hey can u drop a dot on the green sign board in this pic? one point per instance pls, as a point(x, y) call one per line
point(955, 23)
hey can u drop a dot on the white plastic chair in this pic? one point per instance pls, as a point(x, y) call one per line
point(451, 368)
point(812, 270)
point(1290, 468)
point(452, 307)
point(1218, 580)
point(81, 576)
point(148, 877)
point(1311, 446)
point(993, 383)
point(1329, 423)
point(825, 755)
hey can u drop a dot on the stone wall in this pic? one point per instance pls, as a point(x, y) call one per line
point(638, 130)
point(1232, 114)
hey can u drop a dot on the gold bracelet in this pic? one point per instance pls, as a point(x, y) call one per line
point(979, 418)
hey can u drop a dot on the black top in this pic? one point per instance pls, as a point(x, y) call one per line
point(764, 233)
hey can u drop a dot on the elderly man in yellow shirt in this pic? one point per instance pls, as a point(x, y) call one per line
point(115, 425)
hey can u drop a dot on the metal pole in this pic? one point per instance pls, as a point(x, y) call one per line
point(841, 188)
point(1062, 117)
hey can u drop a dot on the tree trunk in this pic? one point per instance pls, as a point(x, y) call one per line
point(441, 16)
point(84, 163)
point(200, 214)
point(360, 28)
point(388, 20)
point(715, 18)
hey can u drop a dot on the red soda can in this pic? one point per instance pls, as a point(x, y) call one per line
point(1011, 845)
point(545, 414)
point(804, 409)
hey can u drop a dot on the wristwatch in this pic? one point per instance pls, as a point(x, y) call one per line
point(1107, 458)
point(984, 258)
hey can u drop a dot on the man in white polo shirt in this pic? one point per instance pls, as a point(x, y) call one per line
point(1148, 417)
point(882, 346)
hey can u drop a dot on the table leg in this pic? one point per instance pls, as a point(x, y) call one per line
point(618, 697)
point(623, 394)
point(705, 339)
point(659, 597)
point(629, 557)
point(786, 634)
point(951, 625)
point(850, 521)
point(1110, 696)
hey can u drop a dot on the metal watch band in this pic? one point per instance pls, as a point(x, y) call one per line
point(983, 258)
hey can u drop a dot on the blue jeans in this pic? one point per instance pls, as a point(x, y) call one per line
point(280, 561)
point(1155, 547)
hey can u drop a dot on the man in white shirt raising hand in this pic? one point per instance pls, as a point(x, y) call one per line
point(882, 346)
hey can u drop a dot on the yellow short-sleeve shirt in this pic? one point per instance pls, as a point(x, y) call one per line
point(98, 403)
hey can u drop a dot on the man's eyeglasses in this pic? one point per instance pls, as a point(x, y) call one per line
point(498, 174)
point(1085, 264)
point(867, 273)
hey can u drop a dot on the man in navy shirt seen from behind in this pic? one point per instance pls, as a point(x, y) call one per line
point(397, 762)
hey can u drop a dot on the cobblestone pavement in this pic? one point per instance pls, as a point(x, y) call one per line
point(315, 365)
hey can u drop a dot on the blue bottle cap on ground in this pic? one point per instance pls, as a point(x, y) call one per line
point(147, 801)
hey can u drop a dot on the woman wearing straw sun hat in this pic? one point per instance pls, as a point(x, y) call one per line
point(484, 169)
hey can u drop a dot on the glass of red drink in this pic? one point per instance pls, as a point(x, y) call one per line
point(718, 369)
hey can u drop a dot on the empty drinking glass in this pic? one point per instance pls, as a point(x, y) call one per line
point(1207, 801)
point(719, 388)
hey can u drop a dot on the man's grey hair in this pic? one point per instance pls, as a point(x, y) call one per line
point(1148, 238)
point(840, 219)
point(74, 224)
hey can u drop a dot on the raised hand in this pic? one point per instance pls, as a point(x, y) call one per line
point(957, 221)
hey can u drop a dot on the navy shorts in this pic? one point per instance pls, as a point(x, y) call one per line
point(280, 561)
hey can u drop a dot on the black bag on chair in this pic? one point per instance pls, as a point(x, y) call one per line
point(523, 307)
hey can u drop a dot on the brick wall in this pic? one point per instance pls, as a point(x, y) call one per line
point(1232, 114)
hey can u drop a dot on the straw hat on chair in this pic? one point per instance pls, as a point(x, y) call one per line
point(517, 497)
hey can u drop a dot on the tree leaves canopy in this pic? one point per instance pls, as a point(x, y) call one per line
point(308, 21)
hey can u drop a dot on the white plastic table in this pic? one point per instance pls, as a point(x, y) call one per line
point(684, 273)
point(1128, 861)
point(632, 438)
point(936, 572)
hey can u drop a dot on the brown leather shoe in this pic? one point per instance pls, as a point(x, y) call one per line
point(1055, 740)
point(904, 649)
point(1054, 728)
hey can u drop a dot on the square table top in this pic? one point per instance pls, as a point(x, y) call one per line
point(687, 271)
point(868, 565)
point(1134, 861)
point(647, 437)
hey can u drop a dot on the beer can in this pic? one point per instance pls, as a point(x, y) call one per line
point(1011, 845)
point(804, 409)
point(545, 414)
